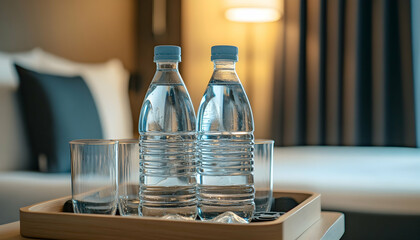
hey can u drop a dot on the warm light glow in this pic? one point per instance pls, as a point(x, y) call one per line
point(253, 10)
point(204, 24)
point(252, 14)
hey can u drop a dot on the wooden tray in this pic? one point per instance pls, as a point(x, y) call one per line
point(46, 220)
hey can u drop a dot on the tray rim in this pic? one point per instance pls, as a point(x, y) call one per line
point(313, 196)
point(46, 220)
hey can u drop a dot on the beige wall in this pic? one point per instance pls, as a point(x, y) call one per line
point(204, 25)
point(81, 30)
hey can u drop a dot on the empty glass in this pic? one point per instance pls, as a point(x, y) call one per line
point(94, 176)
point(128, 177)
point(263, 174)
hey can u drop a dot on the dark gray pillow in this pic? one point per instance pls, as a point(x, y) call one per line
point(56, 110)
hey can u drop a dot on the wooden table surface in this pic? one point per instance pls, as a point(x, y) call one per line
point(329, 227)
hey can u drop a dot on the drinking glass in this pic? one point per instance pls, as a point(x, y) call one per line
point(128, 177)
point(94, 176)
point(263, 174)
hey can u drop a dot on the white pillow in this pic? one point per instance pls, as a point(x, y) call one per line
point(8, 75)
point(108, 83)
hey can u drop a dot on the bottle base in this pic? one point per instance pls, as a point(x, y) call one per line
point(182, 213)
point(208, 212)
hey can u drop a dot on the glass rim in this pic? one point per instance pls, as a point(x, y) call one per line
point(263, 141)
point(127, 141)
point(93, 142)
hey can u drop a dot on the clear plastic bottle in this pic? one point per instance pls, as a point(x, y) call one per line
point(225, 129)
point(167, 142)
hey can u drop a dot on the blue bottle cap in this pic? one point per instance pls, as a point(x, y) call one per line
point(224, 52)
point(167, 52)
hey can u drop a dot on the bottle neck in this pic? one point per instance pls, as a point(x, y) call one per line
point(167, 73)
point(224, 65)
point(167, 66)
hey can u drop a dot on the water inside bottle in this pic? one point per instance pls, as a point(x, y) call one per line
point(225, 145)
point(168, 153)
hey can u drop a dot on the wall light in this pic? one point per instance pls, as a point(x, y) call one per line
point(253, 10)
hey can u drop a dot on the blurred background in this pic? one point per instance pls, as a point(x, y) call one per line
point(316, 72)
point(96, 31)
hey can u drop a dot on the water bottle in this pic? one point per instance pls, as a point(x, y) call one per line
point(167, 143)
point(225, 129)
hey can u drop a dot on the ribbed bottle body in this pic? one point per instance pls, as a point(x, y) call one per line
point(225, 150)
point(167, 149)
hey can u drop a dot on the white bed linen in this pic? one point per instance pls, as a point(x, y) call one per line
point(23, 188)
point(361, 179)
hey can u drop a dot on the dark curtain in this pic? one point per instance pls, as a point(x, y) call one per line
point(344, 74)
